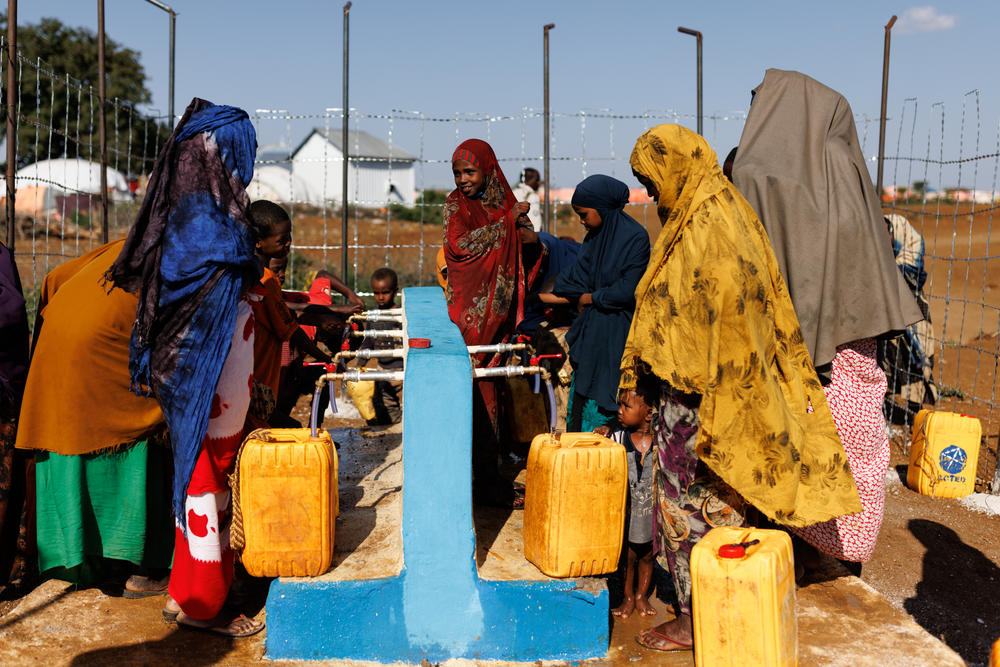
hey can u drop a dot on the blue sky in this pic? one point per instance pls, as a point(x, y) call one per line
point(443, 57)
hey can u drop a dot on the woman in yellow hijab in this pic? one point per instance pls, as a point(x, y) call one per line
point(742, 418)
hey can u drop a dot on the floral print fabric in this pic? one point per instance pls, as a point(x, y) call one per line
point(857, 387)
point(688, 499)
point(713, 318)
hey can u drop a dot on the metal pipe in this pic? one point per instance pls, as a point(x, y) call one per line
point(399, 352)
point(881, 119)
point(344, 146)
point(390, 333)
point(12, 90)
point(547, 207)
point(377, 315)
point(505, 371)
point(102, 130)
point(173, 21)
point(358, 375)
point(499, 347)
point(697, 35)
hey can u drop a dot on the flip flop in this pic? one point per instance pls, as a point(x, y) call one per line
point(221, 630)
point(134, 588)
point(677, 646)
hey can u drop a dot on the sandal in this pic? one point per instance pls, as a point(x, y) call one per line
point(187, 622)
point(138, 586)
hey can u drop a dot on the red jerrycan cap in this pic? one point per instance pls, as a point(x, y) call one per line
point(737, 550)
point(732, 551)
point(419, 343)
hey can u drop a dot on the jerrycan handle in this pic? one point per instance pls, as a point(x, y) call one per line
point(736, 550)
point(591, 440)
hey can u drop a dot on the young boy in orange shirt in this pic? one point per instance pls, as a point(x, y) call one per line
point(274, 323)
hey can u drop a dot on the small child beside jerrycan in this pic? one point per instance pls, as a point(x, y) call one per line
point(584, 491)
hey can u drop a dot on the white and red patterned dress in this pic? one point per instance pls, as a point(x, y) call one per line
point(203, 561)
point(855, 395)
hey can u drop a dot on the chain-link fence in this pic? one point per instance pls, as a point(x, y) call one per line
point(941, 176)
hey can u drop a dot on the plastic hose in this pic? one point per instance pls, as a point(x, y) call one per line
point(313, 425)
point(552, 405)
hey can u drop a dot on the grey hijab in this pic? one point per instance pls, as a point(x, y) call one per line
point(800, 166)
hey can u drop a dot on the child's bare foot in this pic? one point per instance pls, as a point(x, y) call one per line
point(643, 606)
point(626, 608)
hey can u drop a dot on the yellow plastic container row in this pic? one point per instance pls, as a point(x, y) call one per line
point(574, 504)
point(288, 497)
point(743, 598)
point(944, 454)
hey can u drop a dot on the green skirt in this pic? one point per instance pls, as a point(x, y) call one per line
point(113, 505)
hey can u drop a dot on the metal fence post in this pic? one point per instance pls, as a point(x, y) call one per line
point(344, 148)
point(173, 22)
point(881, 118)
point(102, 130)
point(547, 208)
point(697, 35)
point(12, 92)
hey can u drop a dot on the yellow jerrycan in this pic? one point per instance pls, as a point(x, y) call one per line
point(574, 504)
point(287, 502)
point(995, 654)
point(944, 454)
point(743, 597)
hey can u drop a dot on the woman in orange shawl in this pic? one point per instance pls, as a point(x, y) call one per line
point(485, 293)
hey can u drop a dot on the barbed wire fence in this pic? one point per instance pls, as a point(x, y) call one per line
point(399, 172)
point(57, 176)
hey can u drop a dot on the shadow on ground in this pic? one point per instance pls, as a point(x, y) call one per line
point(959, 583)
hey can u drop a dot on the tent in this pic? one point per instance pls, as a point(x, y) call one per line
point(73, 176)
point(277, 183)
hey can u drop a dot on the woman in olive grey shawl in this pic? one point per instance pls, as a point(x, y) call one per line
point(800, 167)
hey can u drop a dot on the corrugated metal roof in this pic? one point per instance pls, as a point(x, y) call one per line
point(361, 144)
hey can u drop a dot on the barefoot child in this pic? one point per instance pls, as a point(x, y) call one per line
point(635, 416)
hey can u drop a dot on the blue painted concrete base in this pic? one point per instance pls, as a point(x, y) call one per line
point(438, 607)
point(362, 620)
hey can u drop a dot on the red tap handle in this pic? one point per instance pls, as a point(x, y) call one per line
point(330, 368)
point(522, 338)
point(534, 360)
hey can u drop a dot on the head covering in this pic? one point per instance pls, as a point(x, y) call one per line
point(13, 336)
point(79, 319)
point(613, 259)
point(486, 278)
point(800, 166)
point(187, 256)
point(713, 318)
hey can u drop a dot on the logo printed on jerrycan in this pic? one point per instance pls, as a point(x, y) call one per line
point(574, 504)
point(943, 454)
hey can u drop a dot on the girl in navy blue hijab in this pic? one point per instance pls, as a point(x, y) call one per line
point(602, 283)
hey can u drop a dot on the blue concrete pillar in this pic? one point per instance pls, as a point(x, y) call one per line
point(438, 607)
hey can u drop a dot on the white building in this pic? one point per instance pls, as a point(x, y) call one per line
point(378, 173)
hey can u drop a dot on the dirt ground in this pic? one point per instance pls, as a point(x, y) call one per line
point(935, 559)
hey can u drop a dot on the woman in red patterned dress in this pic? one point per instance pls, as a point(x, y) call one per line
point(485, 293)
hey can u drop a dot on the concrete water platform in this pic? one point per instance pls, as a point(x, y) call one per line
point(436, 606)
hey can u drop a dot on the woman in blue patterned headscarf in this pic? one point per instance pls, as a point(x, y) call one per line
point(602, 283)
